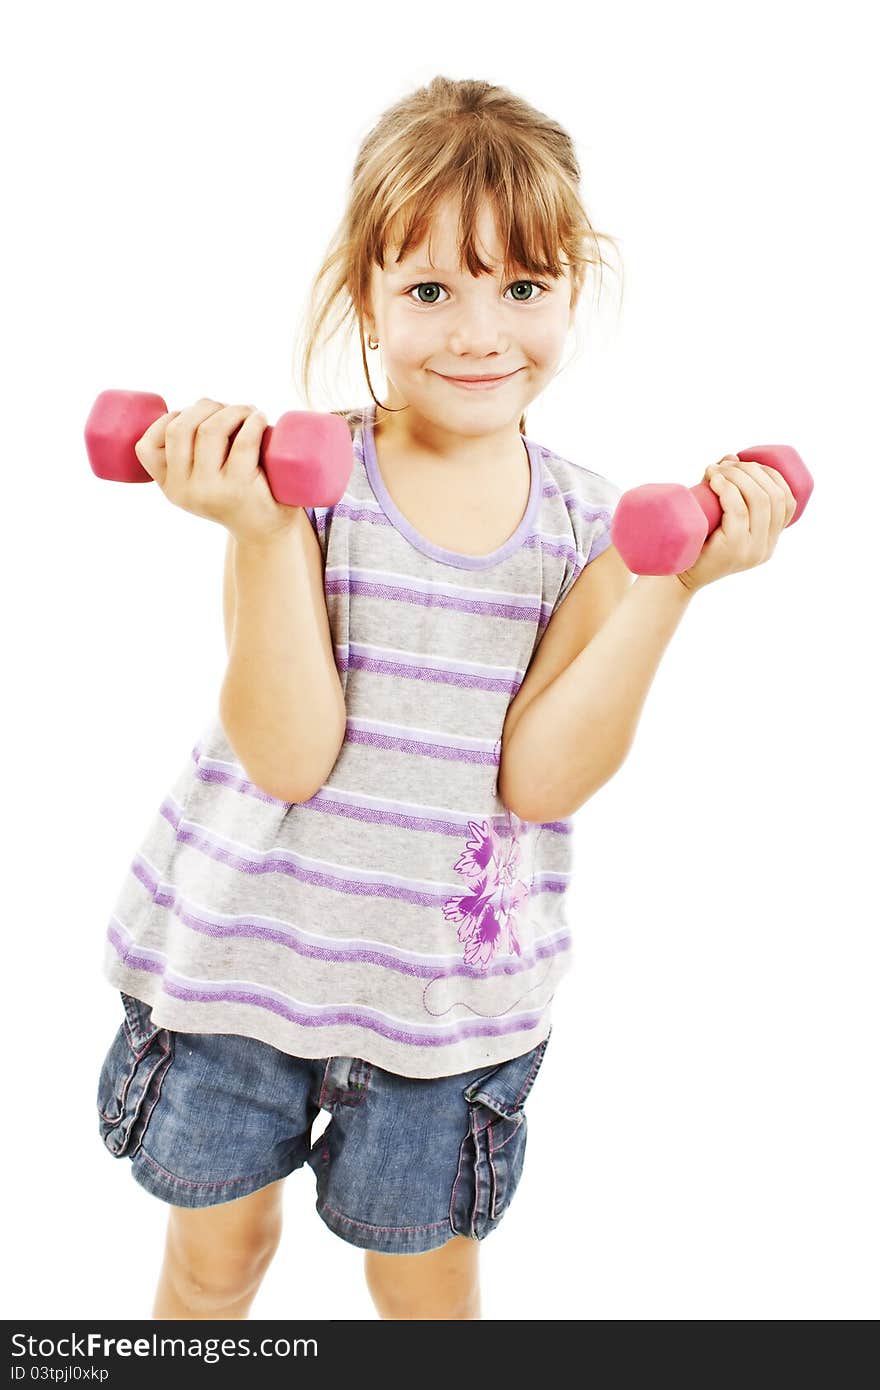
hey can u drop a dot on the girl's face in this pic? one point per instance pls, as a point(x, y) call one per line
point(435, 321)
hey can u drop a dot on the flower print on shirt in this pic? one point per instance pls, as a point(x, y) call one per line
point(488, 912)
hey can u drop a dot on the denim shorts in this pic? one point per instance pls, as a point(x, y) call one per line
point(403, 1165)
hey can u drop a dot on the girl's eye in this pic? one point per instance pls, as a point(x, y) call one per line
point(517, 284)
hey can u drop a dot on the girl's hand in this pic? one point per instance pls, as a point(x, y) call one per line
point(757, 504)
point(189, 454)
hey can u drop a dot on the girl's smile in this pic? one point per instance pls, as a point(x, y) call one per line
point(478, 383)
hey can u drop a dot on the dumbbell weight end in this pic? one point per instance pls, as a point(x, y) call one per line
point(115, 424)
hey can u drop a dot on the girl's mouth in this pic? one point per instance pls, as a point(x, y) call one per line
point(487, 383)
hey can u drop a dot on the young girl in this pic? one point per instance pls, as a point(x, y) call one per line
point(353, 897)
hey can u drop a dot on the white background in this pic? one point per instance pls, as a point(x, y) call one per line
point(703, 1136)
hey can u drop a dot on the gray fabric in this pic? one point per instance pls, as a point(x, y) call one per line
point(402, 915)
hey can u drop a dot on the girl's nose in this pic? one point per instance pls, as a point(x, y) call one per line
point(478, 334)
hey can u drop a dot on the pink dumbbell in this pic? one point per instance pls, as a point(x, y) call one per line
point(660, 528)
point(307, 456)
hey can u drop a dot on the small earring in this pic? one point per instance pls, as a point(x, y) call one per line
point(370, 343)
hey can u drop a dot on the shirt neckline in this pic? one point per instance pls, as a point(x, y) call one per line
point(439, 552)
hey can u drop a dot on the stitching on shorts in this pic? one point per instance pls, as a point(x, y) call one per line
point(498, 1196)
point(162, 1070)
point(367, 1226)
point(477, 1169)
point(131, 1072)
point(139, 1039)
point(185, 1182)
point(493, 1183)
point(141, 1052)
point(457, 1180)
point(494, 1148)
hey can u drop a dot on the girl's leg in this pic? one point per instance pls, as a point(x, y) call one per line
point(215, 1257)
point(443, 1283)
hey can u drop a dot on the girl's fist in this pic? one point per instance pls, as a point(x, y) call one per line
point(207, 460)
point(757, 504)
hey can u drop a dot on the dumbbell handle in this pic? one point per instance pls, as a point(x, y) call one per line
point(779, 456)
point(307, 457)
point(660, 528)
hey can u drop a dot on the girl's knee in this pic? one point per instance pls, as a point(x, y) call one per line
point(219, 1254)
point(442, 1283)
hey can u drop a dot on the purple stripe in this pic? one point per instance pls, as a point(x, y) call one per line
point(226, 778)
point(334, 801)
point(396, 579)
point(504, 685)
point(600, 545)
point(590, 513)
point(326, 801)
point(254, 927)
point(426, 750)
point(345, 881)
point(341, 650)
point(155, 963)
point(559, 547)
point(525, 612)
point(431, 661)
point(436, 738)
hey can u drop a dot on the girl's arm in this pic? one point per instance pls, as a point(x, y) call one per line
point(281, 704)
point(578, 729)
point(574, 735)
point(229, 590)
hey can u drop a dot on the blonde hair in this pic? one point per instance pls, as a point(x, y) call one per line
point(471, 141)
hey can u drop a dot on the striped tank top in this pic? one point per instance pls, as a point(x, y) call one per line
point(402, 915)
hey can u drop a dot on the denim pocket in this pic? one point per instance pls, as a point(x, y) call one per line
point(493, 1150)
point(131, 1077)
